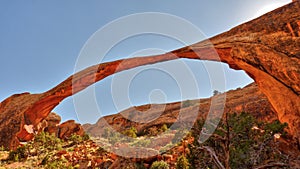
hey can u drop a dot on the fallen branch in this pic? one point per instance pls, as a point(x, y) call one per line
point(213, 155)
point(271, 165)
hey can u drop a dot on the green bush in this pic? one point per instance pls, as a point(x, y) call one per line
point(131, 132)
point(18, 155)
point(276, 127)
point(142, 142)
point(61, 164)
point(112, 136)
point(140, 165)
point(45, 140)
point(182, 163)
point(164, 128)
point(76, 138)
point(101, 151)
point(2, 148)
point(86, 137)
point(106, 133)
point(187, 103)
point(44, 145)
point(159, 165)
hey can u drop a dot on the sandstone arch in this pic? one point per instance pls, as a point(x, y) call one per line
point(267, 48)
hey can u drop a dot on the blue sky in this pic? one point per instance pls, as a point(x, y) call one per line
point(41, 41)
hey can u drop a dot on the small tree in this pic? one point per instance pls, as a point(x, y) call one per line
point(216, 92)
point(187, 103)
point(159, 165)
point(182, 163)
point(164, 128)
point(131, 132)
point(18, 155)
point(236, 143)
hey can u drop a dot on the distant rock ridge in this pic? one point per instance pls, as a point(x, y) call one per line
point(248, 99)
point(266, 48)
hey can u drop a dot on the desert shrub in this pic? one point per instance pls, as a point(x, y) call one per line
point(101, 151)
point(75, 138)
point(44, 145)
point(142, 143)
point(182, 163)
point(45, 140)
point(70, 149)
point(106, 133)
point(18, 155)
point(152, 131)
point(159, 165)
point(86, 137)
point(112, 136)
point(2, 148)
point(139, 165)
point(187, 103)
point(164, 128)
point(59, 163)
point(131, 132)
point(180, 135)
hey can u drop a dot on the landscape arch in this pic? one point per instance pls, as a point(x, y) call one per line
point(267, 49)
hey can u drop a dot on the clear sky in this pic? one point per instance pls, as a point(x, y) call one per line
point(41, 41)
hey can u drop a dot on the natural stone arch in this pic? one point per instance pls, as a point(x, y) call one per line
point(267, 48)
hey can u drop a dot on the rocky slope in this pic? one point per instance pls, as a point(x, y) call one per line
point(267, 48)
point(80, 153)
point(249, 99)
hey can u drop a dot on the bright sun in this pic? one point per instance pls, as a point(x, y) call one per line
point(270, 7)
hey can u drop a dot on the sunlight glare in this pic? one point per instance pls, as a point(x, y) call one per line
point(270, 7)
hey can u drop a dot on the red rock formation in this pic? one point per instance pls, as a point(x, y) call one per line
point(267, 48)
point(249, 99)
point(68, 128)
point(52, 121)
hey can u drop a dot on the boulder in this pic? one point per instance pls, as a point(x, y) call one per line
point(68, 128)
point(51, 123)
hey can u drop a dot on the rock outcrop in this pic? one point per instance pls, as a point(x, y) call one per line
point(65, 130)
point(267, 48)
point(68, 128)
point(52, 121)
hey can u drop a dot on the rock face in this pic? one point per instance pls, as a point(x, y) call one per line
point(66, 129)
point(249, 99)
point(51, 124)
point(267, 48)
point(52, 121)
